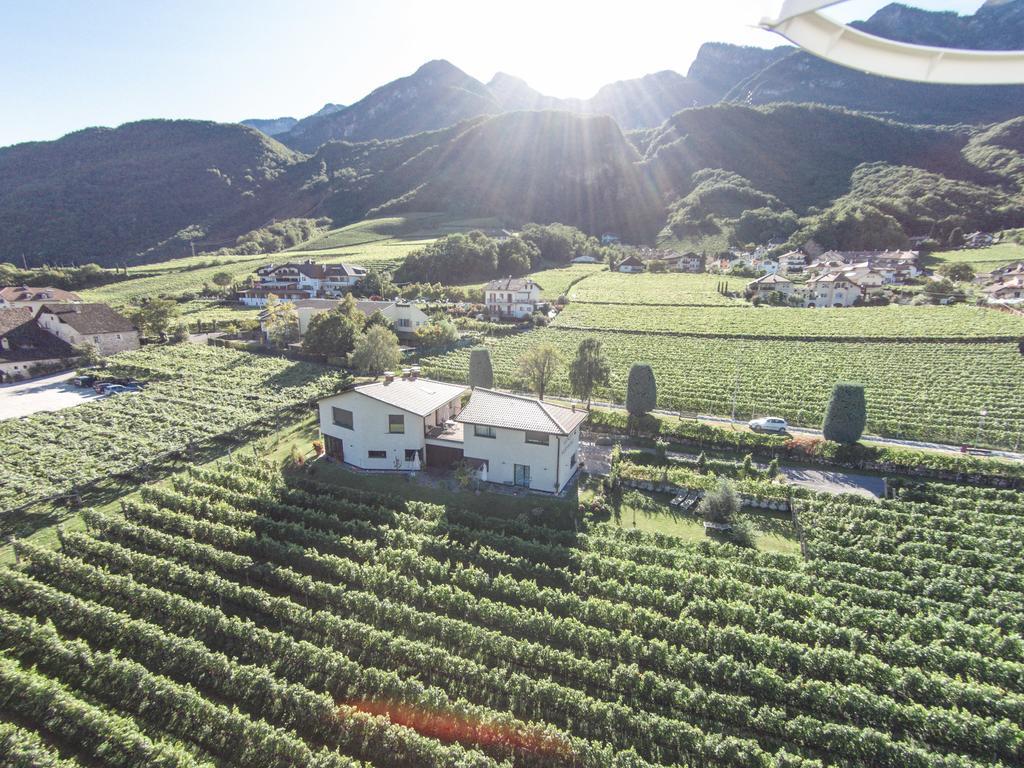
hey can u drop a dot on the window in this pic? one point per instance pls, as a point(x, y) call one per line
point(404, 322)
point(119, 337)
point(396, 424)
point(411, 454)
point(481, 430)
point(538, 438)
point(572, 460)
point(377, 454)
point(342, 418)
point(96, 339)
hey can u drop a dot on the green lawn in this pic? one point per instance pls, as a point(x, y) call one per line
point(980, 259)
point(773, 532)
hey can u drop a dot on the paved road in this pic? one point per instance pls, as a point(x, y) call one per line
point(50, 393)
point(920, 445)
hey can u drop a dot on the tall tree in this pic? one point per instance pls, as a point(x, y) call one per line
point(588, 369)
point(282, 321)
point(481, 374)
point(538, 366)
point(223, 279)
point(641, 390)
point(846, 415)
point(331, 333)
point(376, 351)
point(153, 316)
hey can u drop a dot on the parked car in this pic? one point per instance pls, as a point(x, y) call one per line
point(119, 389)
point(84, 381)
point(768, 424)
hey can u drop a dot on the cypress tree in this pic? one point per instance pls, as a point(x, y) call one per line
point(641, 390)
point(846, 415)
point(481, 374)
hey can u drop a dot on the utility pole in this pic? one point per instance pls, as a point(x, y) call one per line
point(24, 261)
point(193, 246)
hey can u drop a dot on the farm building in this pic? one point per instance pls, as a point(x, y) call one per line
point(95, 324)
point(25, 347)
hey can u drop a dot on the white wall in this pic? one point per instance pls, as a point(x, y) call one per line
point(370, 430)
point(509, 447)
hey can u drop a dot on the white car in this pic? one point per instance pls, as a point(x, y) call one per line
point(768, 424)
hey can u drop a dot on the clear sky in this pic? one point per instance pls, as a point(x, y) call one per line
point(69, 64)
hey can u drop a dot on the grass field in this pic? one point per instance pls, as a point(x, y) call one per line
point(240, 616)
point(980, 259)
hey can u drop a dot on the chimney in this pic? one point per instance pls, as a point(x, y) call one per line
point(5, 344)
point(389, 376)
point(405, 373)
point(414, 373)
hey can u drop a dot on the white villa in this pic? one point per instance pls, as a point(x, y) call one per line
point(515, 297)
point(302, 280)
point(831, 290)
point(404, 424)
point(404, 317)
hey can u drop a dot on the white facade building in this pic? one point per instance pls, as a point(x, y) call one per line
point(404, 317)
point(515, 297)
point(404, 424)
point(385, 425)
point(522, 441)
point(307, 279)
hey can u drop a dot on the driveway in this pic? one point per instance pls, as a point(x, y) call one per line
point(825, 481)
point(49, 393)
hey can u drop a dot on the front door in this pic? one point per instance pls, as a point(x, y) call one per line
point(522, 475)
point(334, 448)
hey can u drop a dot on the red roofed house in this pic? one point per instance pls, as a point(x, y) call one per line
point(13, 297)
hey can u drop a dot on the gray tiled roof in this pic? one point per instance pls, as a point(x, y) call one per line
point(26, 341)
point(500, 409)
point(511, 284)
point(90, 318)
point(420, 396)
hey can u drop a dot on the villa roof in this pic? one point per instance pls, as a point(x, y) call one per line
point(511, 284)
point(419, 396)
point(501, 409)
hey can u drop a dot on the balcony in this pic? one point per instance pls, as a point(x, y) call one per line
point(450, 433)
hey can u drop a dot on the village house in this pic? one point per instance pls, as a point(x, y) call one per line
point(979, 240)
point(407, 423)
point(769, 284)
point(792, 262)
point(405, 318)
point(682, 262)
point(94, 324)
point(831, 290)
point(894, 266)
point(630, 264)
point(260, 297)
point(13, 297)
point(1010, 290)
point(25, 348)
point(586, 259)
point(302, 280)
point(511, 297)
